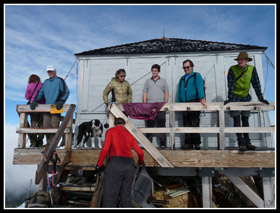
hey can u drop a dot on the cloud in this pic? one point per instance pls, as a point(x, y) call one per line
point(16, 177)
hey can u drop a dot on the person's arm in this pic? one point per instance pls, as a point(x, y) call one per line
point(144, 97)
point(166, 97)
point(129, 95)
point(106, 92)
point(138, 150)
point(105, 149)
point(231, 82)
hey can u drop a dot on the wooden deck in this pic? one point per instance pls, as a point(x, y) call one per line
point(178, 158)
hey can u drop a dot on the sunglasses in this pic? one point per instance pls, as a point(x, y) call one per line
point(186, 67)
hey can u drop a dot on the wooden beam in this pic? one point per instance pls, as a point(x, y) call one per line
point(39, 130)
point(250, 194)
point(40, 108)
point(140, 137)
point(178, 158)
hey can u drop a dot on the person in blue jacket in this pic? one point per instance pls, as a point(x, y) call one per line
point(190, 89)
point(55, 91)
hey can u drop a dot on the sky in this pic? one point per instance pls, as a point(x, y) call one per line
point(38, 35)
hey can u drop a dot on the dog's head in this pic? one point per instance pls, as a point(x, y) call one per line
point(96, 123)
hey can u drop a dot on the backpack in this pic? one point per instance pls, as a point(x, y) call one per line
point(40, 199)
point(141, 188)
point(204, 87)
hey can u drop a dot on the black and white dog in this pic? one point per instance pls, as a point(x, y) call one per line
point(93, 128)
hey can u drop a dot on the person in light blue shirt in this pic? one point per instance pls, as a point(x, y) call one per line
point(55, 91)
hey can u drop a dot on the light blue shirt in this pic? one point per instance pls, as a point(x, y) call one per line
point(54, 89)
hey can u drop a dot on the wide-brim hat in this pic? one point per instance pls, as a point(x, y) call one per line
point(243, 55)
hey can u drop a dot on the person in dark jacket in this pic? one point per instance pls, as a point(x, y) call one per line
point(239, 79)
point(119, 172)
point(55, 91)
point(190, 89)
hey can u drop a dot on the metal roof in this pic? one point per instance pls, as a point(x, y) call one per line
point(170, 45)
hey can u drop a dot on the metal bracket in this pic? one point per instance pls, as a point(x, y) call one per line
point(267, 172)
point(206, 172)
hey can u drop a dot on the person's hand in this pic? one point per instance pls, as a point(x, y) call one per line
point(33, 105)
point(203, 101)
point(98, 169)
point(59, 105)
point(264, 101)
point(227, 101)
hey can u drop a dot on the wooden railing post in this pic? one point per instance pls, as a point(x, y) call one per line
point(22, 136)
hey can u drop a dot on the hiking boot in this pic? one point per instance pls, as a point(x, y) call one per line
point(197, 146)
point(187, 146)
point(163, 147)
point(242, 148)
point(250, 146)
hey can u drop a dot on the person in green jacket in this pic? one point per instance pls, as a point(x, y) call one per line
point(121, 89)
point(190, 89)
point(240, 77)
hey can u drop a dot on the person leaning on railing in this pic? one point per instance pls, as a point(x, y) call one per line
point(239, 79)
point(55, 91)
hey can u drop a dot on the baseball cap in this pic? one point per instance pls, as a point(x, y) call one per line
point(50, 68)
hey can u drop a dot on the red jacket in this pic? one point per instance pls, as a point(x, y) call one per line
point(118, 142)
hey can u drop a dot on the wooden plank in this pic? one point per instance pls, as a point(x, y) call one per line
point(178, 158)
point(39, 130)
point(250, 194)
point(77, 188)
point(40, 108)
point(208, 130)
point(22, 124)
point(141, 138)
point(180, 130)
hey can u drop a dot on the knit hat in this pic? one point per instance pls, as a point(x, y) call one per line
point(243, 55)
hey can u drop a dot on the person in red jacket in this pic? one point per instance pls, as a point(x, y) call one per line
point(119, 172)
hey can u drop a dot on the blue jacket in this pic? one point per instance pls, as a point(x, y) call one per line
point(190, 90)
point(54, 89)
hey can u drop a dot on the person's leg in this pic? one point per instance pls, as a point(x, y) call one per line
point(245, 123)
point(161, 120)
point(149, 124)
point(240, 139)
point(47, 124)
point(125, 194)
point(111, 185)
point(195, 121)
point(187, 123)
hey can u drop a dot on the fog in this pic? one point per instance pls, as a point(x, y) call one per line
point(16, 177)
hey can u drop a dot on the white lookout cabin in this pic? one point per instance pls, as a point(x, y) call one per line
point(211, 59)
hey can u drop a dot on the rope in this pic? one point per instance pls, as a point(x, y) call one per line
point(268, 62)
point(70, 69)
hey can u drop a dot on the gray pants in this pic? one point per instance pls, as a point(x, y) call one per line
point(117, 183)
point(50, 121)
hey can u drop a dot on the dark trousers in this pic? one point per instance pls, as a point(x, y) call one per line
point(245, 123)
point(159, 121)
point(118, 178)
point(191, 119)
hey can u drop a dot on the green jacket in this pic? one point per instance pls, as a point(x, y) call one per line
point(123, 91)
point(242, 85)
